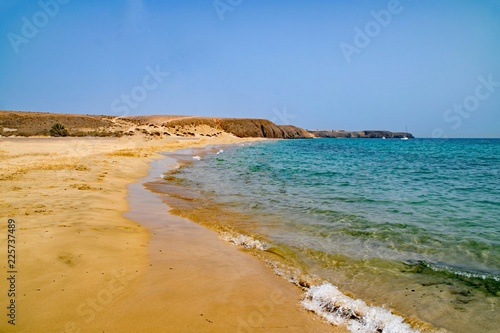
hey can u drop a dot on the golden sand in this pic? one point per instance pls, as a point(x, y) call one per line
point(83, 267)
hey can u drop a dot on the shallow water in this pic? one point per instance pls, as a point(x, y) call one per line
point(412, 225)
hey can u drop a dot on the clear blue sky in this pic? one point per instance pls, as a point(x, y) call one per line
point(315, 64)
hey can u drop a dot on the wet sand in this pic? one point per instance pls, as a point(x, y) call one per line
point(198, 283)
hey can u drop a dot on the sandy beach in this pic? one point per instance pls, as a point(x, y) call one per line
point(84, 266)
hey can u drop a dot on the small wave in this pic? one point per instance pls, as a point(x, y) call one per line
point(422, 264)
point(470, 275)
point(245, 241)
point(339, 309)
point(326, 300)
point(291, 274)
point(483, 280)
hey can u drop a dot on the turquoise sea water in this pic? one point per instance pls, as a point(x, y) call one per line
point(412, 225)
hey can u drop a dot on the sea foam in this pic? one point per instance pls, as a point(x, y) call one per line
point(245, 241)
point(339, 309)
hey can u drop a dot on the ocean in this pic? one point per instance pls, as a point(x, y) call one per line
point(383, 235)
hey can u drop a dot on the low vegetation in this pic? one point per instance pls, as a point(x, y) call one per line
point(58, 130)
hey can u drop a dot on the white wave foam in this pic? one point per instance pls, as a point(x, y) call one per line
point(339, 309)
point(327, 301)
point(245, 241)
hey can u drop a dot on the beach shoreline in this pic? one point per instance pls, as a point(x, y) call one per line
point(186, 201)
point(85, 266)
point(269, 199)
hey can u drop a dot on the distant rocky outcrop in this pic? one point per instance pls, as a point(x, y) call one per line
point(371, 134)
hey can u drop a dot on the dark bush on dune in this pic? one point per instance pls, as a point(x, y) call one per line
point(58, 130)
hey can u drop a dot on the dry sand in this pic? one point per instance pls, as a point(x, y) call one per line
point(84, 267)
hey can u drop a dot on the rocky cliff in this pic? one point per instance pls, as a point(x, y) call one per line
point(242, 127)
point(294, 132)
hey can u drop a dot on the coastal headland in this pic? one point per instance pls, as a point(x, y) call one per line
point(15, 123)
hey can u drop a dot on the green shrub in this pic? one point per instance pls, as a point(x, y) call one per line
point(58, 130)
